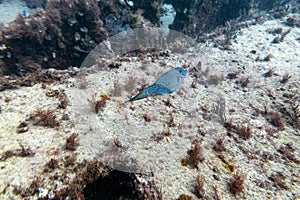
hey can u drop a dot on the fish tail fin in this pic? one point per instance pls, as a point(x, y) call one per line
point(141, 95)
point(154, 89)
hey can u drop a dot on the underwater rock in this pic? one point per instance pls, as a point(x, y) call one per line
point(61, 35)
point(114, 24)
point(194, 18)
point(36, 3)
point(150, 9)
point(47, 38)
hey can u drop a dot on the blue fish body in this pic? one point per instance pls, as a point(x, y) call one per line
point(166, 84)
point(24, 13)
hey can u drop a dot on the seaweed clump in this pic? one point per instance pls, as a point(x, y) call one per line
point(276, 120)
point(242, 130)
point(278, 180)
point(30, 191)
point(157, 137)
point(195, 155)
point(98, 105)
point(219, 145)
point(72, 142)
point(45, 118)
point(199, 187)
point(51, 165)
point(236, 184)
point(24, 152)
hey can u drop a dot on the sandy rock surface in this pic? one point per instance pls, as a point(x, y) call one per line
point(153, 135)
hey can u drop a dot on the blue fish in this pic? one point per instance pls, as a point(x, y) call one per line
point(166, 84)
point(24, 13)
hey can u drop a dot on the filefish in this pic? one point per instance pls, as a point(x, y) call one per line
point(166, 84)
